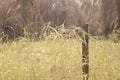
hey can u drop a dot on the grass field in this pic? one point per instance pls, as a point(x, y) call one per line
point(58, 60)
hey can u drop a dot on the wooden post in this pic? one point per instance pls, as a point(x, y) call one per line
point(85, 54)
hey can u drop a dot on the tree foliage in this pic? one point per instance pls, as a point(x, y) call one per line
point(17, 16)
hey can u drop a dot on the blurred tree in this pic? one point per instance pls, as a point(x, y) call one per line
point(9, 20)
point(118, 11)
point(30, 18)
point(109, 14)
point(27, 11)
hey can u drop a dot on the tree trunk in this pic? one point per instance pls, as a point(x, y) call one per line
point(118, 12)
point(109, 15)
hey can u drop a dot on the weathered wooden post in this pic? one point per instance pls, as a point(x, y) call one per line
point(85, 53)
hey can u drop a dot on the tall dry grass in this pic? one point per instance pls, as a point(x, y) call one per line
point(58, 59)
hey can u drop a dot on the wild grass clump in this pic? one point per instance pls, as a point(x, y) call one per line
point(50, 32)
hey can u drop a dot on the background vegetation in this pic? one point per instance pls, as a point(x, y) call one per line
point(40, 39)
point(18, 16)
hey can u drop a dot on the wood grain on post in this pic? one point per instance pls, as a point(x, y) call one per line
point(85, 54)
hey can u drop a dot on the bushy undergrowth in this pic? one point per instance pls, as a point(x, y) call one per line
point(58, 59)
point(115, 36)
